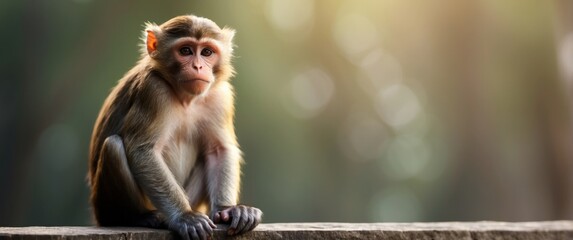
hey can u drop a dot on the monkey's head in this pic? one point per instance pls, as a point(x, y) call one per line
point(193, 53)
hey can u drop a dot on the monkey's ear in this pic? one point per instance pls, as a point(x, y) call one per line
point(229, 34)
point(150, 37)
point(151, 42)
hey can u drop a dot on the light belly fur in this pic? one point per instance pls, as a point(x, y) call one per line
point(180, 157)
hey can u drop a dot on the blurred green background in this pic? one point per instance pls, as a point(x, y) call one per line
point(354, 111)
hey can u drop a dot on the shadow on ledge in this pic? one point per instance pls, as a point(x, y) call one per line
point(444, 230)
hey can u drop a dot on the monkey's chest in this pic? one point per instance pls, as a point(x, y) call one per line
point(180, 155)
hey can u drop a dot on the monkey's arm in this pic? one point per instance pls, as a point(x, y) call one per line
point(223, 166)
point(223, 162)
point(223, 171)
point(156, 181)
point(222, 153)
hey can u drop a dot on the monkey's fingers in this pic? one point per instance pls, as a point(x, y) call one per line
point(252, 224)
point(193, 233)
point(248, 221)
point(243, 220)
point(208, 225)
point(236, 216)
point(252, 216)
point(183, 232)
point(202, 231)
point(258, 215)
point(211, 223)
point(253, 220)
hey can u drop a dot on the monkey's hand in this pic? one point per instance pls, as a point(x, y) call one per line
point(242, 218)
point(193, 225)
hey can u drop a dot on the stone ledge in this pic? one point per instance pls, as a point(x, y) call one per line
point(444, 230)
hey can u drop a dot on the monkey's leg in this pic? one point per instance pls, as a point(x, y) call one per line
point(195, 188)
point(116, 198)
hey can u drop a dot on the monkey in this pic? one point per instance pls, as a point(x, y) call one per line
point(163, 152)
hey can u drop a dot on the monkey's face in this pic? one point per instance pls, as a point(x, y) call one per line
point(197, 60)
point(194, 51)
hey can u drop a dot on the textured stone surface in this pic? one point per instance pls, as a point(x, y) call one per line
point(436, 231)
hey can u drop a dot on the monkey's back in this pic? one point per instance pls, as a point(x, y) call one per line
point(111, 117)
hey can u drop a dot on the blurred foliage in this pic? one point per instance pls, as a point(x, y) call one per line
point(355, 111)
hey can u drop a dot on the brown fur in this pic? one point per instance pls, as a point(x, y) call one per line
point(158, 151)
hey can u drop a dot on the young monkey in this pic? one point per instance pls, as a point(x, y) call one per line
point(163, 151)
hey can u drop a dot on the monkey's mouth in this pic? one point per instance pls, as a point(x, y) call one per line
point(195, 80)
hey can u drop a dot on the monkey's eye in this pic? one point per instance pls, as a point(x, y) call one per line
point(185, 51)
point(206, 52)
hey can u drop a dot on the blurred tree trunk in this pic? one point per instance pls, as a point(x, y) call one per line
point(477, 197)
point(562, 140)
